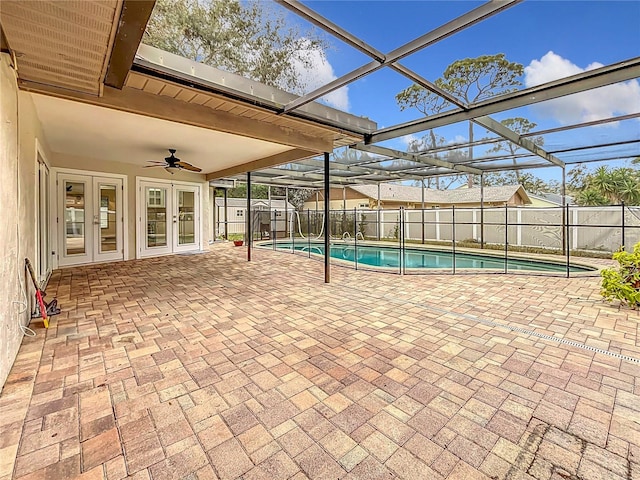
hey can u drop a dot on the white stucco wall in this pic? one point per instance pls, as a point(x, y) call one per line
point(19, 129)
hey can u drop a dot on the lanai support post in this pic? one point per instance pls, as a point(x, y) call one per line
point(422, 211)
point(286, 212)
point(215, 214)
point(378, 213)
point(565, 229)
point(482, 210)
point(249, 226)
point(226, 216)
point(327, 224)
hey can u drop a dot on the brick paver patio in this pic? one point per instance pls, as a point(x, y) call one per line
point(204, 367)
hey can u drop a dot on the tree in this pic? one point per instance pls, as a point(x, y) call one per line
point(246, 38)
point(530, 182)
point(469, 80)
point(240, 191)
point(521, 126)
point(606, 186)
point(296, 196)
point(429, 142)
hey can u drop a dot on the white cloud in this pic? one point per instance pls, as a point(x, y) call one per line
point(408, 139)
point(457, 139)
point(318, 74)
point(603, 102)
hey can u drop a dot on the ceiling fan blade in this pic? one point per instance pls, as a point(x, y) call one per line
point(151, 166)
point(188, 166)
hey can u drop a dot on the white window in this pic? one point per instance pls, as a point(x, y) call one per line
point(155, 197)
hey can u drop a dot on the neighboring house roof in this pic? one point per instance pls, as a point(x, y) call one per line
point(553, 198)
point(255, 202)
point(390, 192)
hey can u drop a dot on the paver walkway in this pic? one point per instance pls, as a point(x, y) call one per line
point(205, 366)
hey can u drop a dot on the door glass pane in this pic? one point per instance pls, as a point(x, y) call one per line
point(74, 218)
point(186, 221)
point(108, 224)
point(156, 217)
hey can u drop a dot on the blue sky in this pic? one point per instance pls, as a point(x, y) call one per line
point(552, 38)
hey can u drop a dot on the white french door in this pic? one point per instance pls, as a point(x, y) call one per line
point(90, 219)
point(170, 218)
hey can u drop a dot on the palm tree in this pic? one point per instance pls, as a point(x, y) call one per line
point(591, 197)
point(604, 181)
point(629, 188)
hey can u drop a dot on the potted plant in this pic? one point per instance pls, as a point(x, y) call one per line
point(238, 243)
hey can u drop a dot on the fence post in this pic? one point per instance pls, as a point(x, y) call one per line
point(506, 237)
point(623, 225)
point(355, 237)
point(519, 228)
point(293, 237)
point(274, 228)
point(308, 232)
point(249, 224)
point(402, 235)
point(565, 220)
point(453, 235)
point(422, 208)
point(568, 245)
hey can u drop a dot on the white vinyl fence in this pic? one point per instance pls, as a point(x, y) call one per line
point(598, 229)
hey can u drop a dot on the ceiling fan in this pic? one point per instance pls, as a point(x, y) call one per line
point(172, 164)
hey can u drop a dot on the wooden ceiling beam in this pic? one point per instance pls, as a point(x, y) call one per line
point(133, 20)
point(266, 162)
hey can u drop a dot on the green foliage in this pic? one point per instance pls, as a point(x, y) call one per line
point(246, 38)
point(521, 126)
point(297, 196)
point(623, 282)
point(486, 76)
point(240, 191)
point(605, 186)
point(469, 80)
point(362, 225)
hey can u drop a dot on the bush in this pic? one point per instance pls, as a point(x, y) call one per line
point(623, 282)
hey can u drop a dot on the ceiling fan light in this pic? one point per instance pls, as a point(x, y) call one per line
point(171, 169)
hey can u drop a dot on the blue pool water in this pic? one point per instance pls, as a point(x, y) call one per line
point(381, 256)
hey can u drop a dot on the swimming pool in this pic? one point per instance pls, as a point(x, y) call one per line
point(418, 258)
